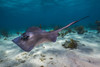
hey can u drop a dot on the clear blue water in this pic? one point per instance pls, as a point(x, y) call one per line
point(18, 14)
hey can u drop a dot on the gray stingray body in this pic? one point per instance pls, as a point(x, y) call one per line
point(35, 36)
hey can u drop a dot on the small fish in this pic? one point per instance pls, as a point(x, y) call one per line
point(35, 36)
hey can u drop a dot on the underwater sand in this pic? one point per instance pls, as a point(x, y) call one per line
point(53, 54)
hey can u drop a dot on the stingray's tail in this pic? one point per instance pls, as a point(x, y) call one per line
point(70, 24)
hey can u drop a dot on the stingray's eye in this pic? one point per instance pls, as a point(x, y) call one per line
point(24, 37)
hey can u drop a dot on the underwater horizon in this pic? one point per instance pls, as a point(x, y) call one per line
point(33, 33)
point(21, 14)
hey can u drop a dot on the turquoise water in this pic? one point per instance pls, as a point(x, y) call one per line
point(76, 46)
point(17, 14)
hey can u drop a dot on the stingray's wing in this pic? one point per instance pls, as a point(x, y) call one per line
point(50, 36)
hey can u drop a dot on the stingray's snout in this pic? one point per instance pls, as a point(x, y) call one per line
point(16, 40)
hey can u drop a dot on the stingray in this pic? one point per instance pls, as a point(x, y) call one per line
point(35, 36)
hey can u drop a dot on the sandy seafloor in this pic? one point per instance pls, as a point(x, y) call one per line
point(53, 54)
